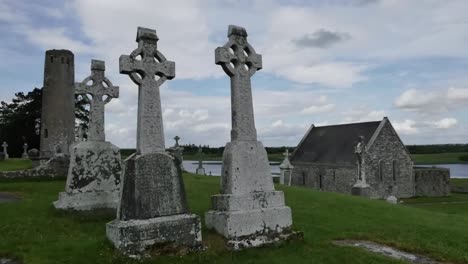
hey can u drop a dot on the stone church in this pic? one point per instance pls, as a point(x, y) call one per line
point(325, 159)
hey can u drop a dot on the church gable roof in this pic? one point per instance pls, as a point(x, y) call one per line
point(334, 144)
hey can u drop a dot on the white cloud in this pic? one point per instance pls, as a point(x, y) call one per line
point(315, 109)
point(330, 74)
point(362, 114)
point(446, 123)
point(458, 94)
point(432, 101)
point(407, 127)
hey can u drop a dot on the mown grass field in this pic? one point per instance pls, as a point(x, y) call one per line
point(439, 158)
point(31, 230)
point(15, 164)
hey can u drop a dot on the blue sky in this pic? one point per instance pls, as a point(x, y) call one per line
point(324, 62)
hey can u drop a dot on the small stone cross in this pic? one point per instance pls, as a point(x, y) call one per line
point(5, 146)
point(101, 91)
point(286, 154)
point(240, 61)
point(176, 138)
point(149, 69)
point(25, 150)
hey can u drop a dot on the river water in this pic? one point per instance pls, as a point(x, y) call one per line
point(456, 170)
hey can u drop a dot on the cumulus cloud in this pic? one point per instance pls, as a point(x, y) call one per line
point(315, 109)
point(458, 94)
point(362, 114)
point(321, 38)
point(446, 123)
point(432, 101)
point(406, 127)
point(332, 74)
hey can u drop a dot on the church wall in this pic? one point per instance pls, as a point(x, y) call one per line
point(432, 182)
point(389, 167)
point(326, 177)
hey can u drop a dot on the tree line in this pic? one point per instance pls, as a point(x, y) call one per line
point(20, 120)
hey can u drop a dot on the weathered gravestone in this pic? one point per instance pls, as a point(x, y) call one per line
point(5, 152)
point(200, 170)
point(93, 179)
point(248, 212)
point(178, 151)
point(286, 169)
point(360, 188)
point(25, 151)
point(153, 207)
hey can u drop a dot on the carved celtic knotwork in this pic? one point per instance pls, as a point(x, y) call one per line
point(237, 56)
point(97, 90)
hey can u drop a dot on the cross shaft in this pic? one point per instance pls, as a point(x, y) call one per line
point(98, 91)
point(149, 69)
point(240, 61)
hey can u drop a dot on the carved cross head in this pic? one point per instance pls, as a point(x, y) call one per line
point(286, 154)
point(5, 145)
point(97, 85)
point(237, 57)
point(177, 138)
point(146, 63)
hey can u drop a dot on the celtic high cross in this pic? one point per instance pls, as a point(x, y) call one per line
point(149, 69)
point(101, 91)
point(239, 60)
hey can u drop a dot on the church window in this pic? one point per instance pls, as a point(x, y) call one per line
point(395, 170)
point(381, 170)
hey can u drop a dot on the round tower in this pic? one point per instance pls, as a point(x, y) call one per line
point(58, 103)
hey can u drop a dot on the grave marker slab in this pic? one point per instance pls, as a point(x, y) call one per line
point(5, 150)
point(153, 207)
point(248, 212)
point(93, 179)
point(200, 170)
point(25, 151)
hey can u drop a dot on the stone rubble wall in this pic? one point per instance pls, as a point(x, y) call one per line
point(386, 150)
point(326, 177)
point(432, 182)
point(53, 168)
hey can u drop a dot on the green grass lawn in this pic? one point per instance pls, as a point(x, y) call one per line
point(440, 158)
point(459, 182)
point(15, 164)
point(34, 232)
point(455, 204)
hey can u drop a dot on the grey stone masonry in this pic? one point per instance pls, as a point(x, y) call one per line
point(93, 179)
point(58, 103)
point(200, 170)
point(431, 182)
point(101, 91)
point(25, 151)
point(248, 212)
point(5, 149)
point(178, 152)
point(153, 207)
point(286, 169)
point(149, 73)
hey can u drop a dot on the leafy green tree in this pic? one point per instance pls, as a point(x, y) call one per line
point(20, 120)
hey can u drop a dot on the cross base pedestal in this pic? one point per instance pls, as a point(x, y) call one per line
point(361, 189)
point(134, 237)
point(252, 228)
point(246, 168)
point(87, 201)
